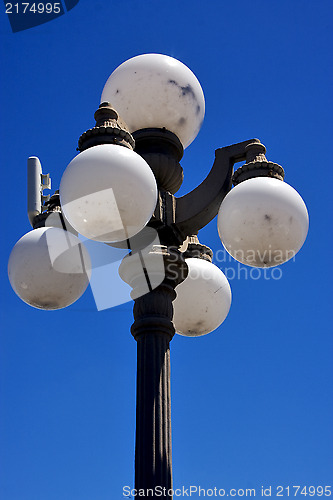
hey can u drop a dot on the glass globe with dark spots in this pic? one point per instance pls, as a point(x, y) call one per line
point(263, 222)
point(157, 91)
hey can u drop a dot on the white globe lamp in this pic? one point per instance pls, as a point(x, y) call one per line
point(157, 91)
point(203, 299)
point(108, 193)
point(49, 268)
point(263, 222)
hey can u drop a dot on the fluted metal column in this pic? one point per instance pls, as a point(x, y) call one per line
point(153, 330)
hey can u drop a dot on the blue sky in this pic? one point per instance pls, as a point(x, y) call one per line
point(252, 402)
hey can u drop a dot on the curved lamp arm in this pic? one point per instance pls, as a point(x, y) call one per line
point(198, 207)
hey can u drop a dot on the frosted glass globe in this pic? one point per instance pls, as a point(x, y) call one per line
point(263, 222)
point(49, 268)
point(108, 193)
point(154, 90)
point(203, 299)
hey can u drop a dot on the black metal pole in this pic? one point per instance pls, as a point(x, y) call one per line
point(153, 330)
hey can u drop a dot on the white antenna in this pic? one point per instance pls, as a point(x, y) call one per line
point(37, 182)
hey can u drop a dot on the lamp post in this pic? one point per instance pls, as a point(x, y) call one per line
point(120, 190)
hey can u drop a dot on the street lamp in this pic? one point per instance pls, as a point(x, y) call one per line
point(120, 190)
point(204, 297)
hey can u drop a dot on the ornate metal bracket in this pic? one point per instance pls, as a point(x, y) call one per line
point(197, 208)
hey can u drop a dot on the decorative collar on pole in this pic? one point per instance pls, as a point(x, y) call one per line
point(109, 129)
point(257, 165)
point(197, 250)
